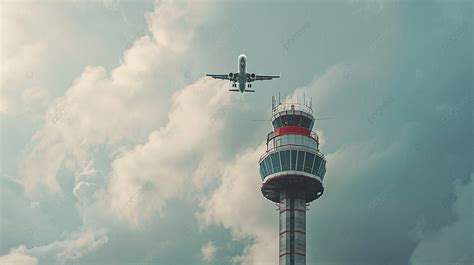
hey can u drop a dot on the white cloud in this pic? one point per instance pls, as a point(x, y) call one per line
point(169, 19)
point(75, 246)
point(25, 52)
point(18, 89)
point(72, 248)
point(208, 252)
point(209, 169)
point(124, 111)
point(84, 192)
point(117, 109)
point(238, 205)
point(18, 256)
point(158, 169)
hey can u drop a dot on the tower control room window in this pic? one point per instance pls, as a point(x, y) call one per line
point(284, 120)
point(271, 144)
point(305, 122)
point(292, 120)
point(276, 162)
point(297, 120)
point(278, 142)
point(278, 123)
point(268, 165)
point(308, 162)
point(263, 169)
point(298, 140)
point(317, 163)
point(323, 171)
point(285, 160)
point(293, 159)
point(292, 139)
point(300, 162)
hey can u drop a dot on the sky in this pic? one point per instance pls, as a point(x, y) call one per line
point(115, 149)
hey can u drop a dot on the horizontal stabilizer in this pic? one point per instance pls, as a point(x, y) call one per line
point(249, 90)
point(234, 90)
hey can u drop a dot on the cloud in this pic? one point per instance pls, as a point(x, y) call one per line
point(116, 109)
point(158, 169)
point(171, 17)
point(21, 54)
point(84, 192)
point(452, 244)
point(26, 52)
point(208, 252)
point(208, 170)
point(127, 116)
point(18, 256)
point(238, 205)
point(72, 248)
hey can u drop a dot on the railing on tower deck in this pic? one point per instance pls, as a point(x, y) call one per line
point(272, 148)
point(292, 106)
point(312, 134)
point(280, 142)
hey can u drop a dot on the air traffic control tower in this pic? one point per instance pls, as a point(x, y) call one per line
point(292, 170)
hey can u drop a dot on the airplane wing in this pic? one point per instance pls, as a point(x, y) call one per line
point(232, 77)
point(254, 77)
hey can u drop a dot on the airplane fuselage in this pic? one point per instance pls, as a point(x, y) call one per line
point(242, 79)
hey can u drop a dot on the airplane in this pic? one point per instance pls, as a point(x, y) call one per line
point(242, 77)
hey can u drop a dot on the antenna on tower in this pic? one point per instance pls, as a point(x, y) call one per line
point(279, 101)
point(304, 98)
point(311, 103)
point(273, 102)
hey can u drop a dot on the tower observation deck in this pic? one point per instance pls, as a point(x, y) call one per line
point(292, 170)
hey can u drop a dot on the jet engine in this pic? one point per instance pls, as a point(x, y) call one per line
point(231, 75)
point(252, 76)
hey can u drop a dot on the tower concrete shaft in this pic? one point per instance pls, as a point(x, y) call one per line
point(292, 229)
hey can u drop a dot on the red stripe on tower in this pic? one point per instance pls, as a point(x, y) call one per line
point(292, 130)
